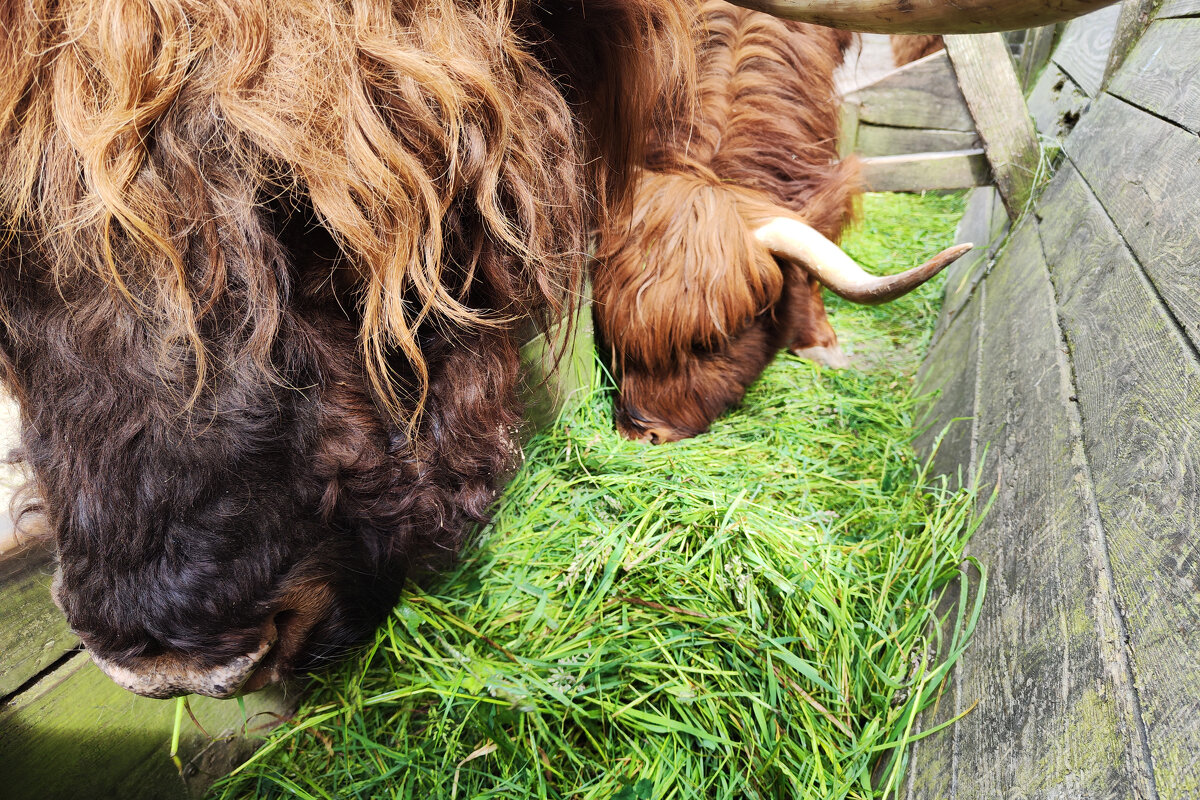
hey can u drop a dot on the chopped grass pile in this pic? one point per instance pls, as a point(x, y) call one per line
point(746, 614)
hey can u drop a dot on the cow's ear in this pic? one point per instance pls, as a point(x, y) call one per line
point(682, 272)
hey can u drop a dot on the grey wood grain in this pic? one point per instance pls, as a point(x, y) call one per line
point(919, 172)
point(1162, 73)
point(76, 734)
point(984, 223)
point(923, 94)
point(1138, 384)
point(1082, 51)
point(1046, 724)
point(885, 140)
point(1144, 171)
point(33, 632)
point(946, 384)
point(1134, 18)
point(1179, 8)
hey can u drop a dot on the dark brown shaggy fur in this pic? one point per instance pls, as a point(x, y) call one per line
point(906, 49)
point(262, 274)
point(691, 307)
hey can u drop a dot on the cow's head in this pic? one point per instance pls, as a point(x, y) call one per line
point(702, 283)
point(262, 269)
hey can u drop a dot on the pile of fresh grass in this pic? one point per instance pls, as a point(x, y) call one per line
point(747, 614)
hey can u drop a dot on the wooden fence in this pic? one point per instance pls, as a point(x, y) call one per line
point(1068, 354)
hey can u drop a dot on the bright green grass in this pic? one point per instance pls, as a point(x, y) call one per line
point(743, 615)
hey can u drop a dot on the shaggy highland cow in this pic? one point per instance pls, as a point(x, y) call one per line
point(265, 266)
point(906, 49)
point(719, 263)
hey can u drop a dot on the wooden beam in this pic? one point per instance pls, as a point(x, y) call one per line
point(1135, 18)
point(884, 140)
point(927, 16)
point(993, 94)
point(925, 171)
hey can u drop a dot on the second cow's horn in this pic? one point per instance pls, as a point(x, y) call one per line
point(791, 239)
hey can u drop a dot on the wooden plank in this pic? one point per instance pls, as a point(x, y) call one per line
point(946, 382)
point(1162, 74)
point(1036, 53)
point(985, 223)
point(76, 734)
point(1046, 724)
point(847, 128)
point(34, 633)
point(1082, 52)
point(1131, 25)
point(1179, 8)
point(923, 94)
point(976, 222)
point(1056, 103)
point(924, 171)
point(883, 140)
point(1143, 170)
point(993, 94)
point(557, 374)
point(1139, 393)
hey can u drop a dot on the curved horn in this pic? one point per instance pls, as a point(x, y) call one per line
point(791, 239)
point(927, 16)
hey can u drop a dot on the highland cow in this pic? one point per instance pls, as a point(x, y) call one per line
point(907, 49)
point(265, 267)
point(720, 261)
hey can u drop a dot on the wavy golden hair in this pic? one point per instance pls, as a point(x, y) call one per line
point(439, 142)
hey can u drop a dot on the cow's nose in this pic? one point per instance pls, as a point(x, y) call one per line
point(170, 676)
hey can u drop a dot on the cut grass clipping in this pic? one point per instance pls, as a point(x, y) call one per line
point(749, 614)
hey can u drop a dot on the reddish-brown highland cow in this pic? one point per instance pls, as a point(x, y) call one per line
point(906, 49)
point(720, 261)
point(263, 274)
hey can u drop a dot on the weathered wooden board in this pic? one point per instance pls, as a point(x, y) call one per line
point(1082, 51)
point(946, 381)
point(923, 171)
point(1179, 8)
point(1131, 25)
point(557, 373)
point(1056, 103)
point(984, 223)
point(1162, 74)
point(1036, 53)
point(993, 94)
point(33, 632)
point(1047, 723)
point(923, 94)
point(1138, 383)
point(884, 140)
point(1143, 170)
point(76, 734)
